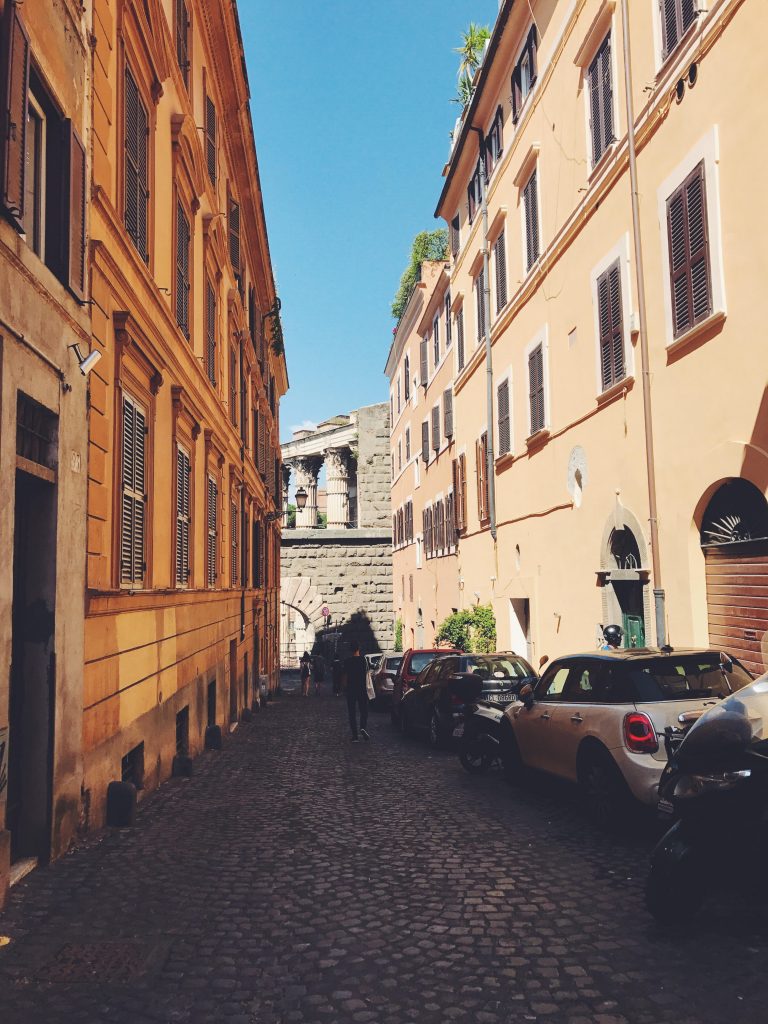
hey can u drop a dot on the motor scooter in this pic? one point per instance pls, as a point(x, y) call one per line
point(479, 734)
point(714, 791)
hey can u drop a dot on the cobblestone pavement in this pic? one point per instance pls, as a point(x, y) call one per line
point(300, 878)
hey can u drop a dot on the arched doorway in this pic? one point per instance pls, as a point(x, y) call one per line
point(624, 575)
point(734, 540)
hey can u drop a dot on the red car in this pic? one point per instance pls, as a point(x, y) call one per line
point(414, 661)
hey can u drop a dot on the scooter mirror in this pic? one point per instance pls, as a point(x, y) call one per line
point(543, 660)
point(526, 695)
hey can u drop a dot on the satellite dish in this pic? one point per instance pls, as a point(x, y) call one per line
point(577, 474)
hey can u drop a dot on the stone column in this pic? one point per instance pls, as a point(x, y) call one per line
point(337, 473)
point(307, 469)
point(286, 484)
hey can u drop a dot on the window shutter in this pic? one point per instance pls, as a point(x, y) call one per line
point(182, 39)
point(133, 516)
point(448, 338)
point(530, 199)
point(425, 440)
point(436, 428)
point(182, 269)
point(436, 339)
point(480, 296)
point(136, 166)
point(233, 386)
point(75, 224)
point(460, 337)
point(210, 138)
point(233, 543)
point(536, 388)
point(500, 259)
point(502, 404)
point(256, 553)
point(234, 235)
point(448, 413)
point(601, 100)
point(210, 332)
point(455, 235)
point(689, 252)
point(611, 327)
point(517, 94)
point(533, 53)
point(457, 492)
point(213, 497)
point(480, 463)
point(13, 127)
point(183, 473)
point(262, 450)
point(423, 362)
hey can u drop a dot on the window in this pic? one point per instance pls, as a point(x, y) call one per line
point(407, 444)
point(183, 518)
point(448, 338)
point(481, 455)
point(436, 340)
point(210, 332)
point(677, 16)
point(34, 185)
point(474, 193)
point(213, 531)
point(460, 337)
point(502, 406)
point(531, 204)
point(455, 236)
point(210, 138)
point(136, 167)
point(436, 428)
point(425, 440)
point(493, 144)
point(480, 299)
point(409, 522)
point(601, 100)
point(133, 515)
point(256, 553)
point(536, 387)
point(500, 264)
point(407, 377)
point(524, 74)
point(233, 386)
point(450, 522)
point(398, 396)
point(399, 456)
point(183, 239)
point(448, 412)
point(610, 319)
point(234, 235)
point(182, 39)
point(460, 492)
point(424, 362)
point(234, 544)
point(690, 280)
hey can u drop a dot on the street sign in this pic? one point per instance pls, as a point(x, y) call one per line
point(325, 611)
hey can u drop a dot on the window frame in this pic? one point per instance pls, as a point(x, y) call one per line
point(540, 339)
point(134, 396)
point(183, 452)
point(528, 50)
point(526, 225)
point(504, 379)
point(606, 142)
point(131, 66)
point(180, 208)
point(619, 253)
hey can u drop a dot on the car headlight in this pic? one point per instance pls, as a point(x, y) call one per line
point(690, 786)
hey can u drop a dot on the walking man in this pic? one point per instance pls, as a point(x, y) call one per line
point(357, 695)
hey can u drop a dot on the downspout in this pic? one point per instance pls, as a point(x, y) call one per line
point(658, 591)
point(243, 531)
point(489, 462)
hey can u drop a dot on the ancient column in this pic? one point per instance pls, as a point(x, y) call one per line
point(337, 482)
point(306, 468)
point(286, 485)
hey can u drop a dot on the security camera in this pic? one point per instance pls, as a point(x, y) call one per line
point(86, 363)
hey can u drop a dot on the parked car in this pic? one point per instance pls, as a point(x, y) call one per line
point(436, 702)
point(384, 678)
point(373, 661)
point(597, 718)
point(415, 660)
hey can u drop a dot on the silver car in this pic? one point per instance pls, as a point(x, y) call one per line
point(598, 719)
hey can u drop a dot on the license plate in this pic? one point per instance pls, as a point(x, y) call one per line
point(459, 731)
point(665, 807)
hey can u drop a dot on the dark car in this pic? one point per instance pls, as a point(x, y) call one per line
point(384, 678)
point(435, 704)
point(415, 660)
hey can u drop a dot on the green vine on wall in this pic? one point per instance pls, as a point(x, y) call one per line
point(472, 630)
point(398, 634)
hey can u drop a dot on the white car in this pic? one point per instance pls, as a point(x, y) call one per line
point(598, 719)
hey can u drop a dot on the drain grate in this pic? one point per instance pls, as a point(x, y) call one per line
point(113, 962)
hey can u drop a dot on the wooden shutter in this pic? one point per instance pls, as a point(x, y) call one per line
point(424, 531)
point(182, 39)
point(262, 449)
point(611, 327)
point(233, 386)
point(517, 94)
point(536, 388)
point(502, 405)
point(182, 269)
point(133, 514)
point(689, 252)
point(234, 235)
point(436, 428)
point(423, 362)
point(75, 223)
point(530, 200)
point(233, 540)
point(14, 89)
point(210, 138)
point(425, 440)
point(448, 338)
point(136, 166)
point(532, 44)
point(601, 100)
point(482, 510)
point(460, 337)
point(212, 531)
point(183, 472)
point(455, 235)
point(210, 332)
point(677, 16)
point(480, 297)
point(500, 260)
point(256, 553)
point(456, 490)
point(448, 412)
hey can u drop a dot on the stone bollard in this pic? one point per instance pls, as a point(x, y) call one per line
point(182, 766)
point(213, 738)
point(121, 804)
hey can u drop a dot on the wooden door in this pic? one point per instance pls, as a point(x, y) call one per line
point(737, 600)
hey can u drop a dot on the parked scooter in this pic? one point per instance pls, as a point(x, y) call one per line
point(715, 785)
point(480, 739)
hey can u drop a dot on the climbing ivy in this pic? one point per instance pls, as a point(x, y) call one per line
point(427, 245)
point(398, 634)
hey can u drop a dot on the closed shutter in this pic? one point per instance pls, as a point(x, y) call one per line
point(262, 449)
point(611, 327)
point(536, 388)
point(601, 100)
point(425, 440)
point(233, 544)
point(75, 224)
point(407, 378)
point(460, 337)
point(737, 601)
point(531, 203)
point(182, 40)
point(480, 464)
point(136, 166)
point(182, 269)
point(256, 553)
point(448, 412)
point(500, 259)
point(436, 340)
point(502, 405)
point(14, 63)
point(423, 362)
point(210, 138)
point(480, 300)
point(212, 531)
point(183, 472)
point(517, 94)
point(210, 332)
point(677, 16)
point(233, 386)
point(133, 515)
point(689, 252)
point(455, 235)
point(448, 333)
point(455, 473)
point(234, 235)
point(436, 428)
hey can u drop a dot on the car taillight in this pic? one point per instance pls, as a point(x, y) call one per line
point(639, 734)
point(456, 700)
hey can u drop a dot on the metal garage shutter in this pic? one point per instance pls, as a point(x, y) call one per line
point(737, 601)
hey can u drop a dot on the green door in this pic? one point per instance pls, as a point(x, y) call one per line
point(634, 630)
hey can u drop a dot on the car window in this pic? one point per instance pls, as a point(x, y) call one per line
point(421, 659)
point(552, 684)
point(392, 664)
point(592, 683)
point(686, 677)
point(499, 667)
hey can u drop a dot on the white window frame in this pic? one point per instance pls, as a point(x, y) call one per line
point(708, 150)
point(39, 174)
point(620, 252)
point(540, 338)
point(610, 29)
point(505, 375)
point(527, 271)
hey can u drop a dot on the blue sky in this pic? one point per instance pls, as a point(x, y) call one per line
point(351, 111)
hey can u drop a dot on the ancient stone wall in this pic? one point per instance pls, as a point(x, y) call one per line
point(373, 467)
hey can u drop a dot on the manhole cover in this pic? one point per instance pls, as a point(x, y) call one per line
point(102, 962)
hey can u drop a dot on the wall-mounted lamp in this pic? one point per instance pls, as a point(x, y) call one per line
point(86, 363)
point(301, 504)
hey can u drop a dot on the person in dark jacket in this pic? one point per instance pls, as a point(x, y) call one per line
point(357, 696)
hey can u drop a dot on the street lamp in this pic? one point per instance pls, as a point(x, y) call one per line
point(301, 503)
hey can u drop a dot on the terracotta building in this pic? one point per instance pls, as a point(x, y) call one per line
point(587, 499)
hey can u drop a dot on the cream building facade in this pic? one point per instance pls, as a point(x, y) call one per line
point(566, 433)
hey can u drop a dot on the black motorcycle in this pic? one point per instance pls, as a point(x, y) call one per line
point(715, 789)
point(480, 732)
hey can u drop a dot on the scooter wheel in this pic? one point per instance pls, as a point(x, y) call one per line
point(673, 894)
point(474, 761)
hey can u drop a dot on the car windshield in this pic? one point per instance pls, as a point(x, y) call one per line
point(392, 664)
point(686, 678)
point(499, 671)
point(421, 659)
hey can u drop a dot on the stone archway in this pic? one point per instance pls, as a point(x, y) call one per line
point(623, 575)
point(301, 606)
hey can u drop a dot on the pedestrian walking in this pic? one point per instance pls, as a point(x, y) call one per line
point(357, 695)
point(318, 671)
point(305, 673)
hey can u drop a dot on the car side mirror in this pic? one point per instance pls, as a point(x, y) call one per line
point(725, 662)
point(526, 695)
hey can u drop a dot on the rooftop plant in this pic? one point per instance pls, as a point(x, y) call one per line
point(427, 245)
point(471, 53)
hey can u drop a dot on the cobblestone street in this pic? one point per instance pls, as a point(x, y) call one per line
point(299, 878)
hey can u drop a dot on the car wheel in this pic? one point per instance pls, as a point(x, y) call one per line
point(674, 893)
point(604, 791)
point(436, 738)
point(473, 759)
point(511, 761)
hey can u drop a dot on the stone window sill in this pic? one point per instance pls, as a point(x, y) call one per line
point(504, 461)
point(695, 332)
point(615, 390)
point(537, 439)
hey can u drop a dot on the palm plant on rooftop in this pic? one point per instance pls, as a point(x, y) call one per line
point(471, 53)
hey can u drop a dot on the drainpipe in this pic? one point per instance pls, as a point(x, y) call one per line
point(658, 592)
point(489, 462)
point(243, 530)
